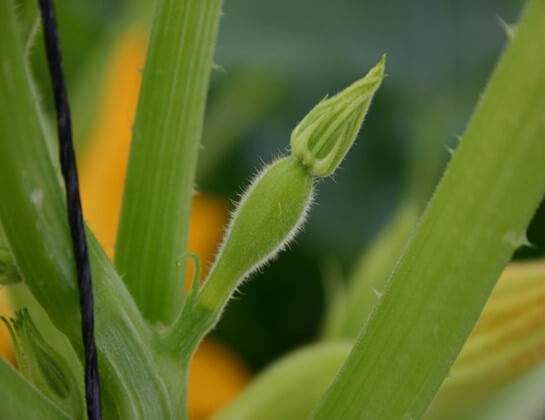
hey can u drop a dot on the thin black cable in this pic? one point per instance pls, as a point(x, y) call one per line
point(75, 218)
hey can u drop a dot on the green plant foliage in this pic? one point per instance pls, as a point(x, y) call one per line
point(406, 318)
point(473, 224)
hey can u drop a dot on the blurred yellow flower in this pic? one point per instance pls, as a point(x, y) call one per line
point(5, 341)
point(217, 375)
point(506, 343)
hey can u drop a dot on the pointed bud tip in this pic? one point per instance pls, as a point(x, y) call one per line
point(324, 136)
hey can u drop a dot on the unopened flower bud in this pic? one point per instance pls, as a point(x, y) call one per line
point(275, 205)
point(322, 139)
point(8, 271)
point(43, 366)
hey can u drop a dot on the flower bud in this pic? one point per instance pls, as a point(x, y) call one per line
point(43, 366)
point(276, 203)
point(8, 271)
point(322, 139)
point(267, 218)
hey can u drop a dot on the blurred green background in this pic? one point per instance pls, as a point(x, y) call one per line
point(275, 61)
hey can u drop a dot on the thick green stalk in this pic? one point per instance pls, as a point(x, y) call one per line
point(138, 382)
point(18, 395)
point(470, 229)
point(154, 221)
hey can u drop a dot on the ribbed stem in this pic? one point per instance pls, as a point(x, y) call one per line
point(156, 207)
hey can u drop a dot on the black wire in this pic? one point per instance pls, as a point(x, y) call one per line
point(75, 219)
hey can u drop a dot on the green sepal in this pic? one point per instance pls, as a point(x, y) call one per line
point(322, 139)
point(41, 365)
point(8, 270)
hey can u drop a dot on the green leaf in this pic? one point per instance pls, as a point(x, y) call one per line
point(154, 223)
point(474, 222)
point(20, 400)
point(291, 387)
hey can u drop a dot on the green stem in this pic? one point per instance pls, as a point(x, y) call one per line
point(468, 233)
point(138, 382)
point(156, 207)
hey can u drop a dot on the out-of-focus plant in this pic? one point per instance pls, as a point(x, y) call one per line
point(412, 323)
point(508, 341)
